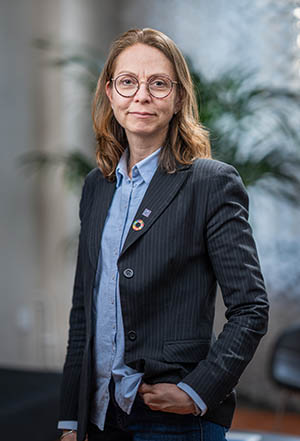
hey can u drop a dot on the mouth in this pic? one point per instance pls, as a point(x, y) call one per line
point(142, 114)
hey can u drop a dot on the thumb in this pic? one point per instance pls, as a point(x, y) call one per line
point(145, 388)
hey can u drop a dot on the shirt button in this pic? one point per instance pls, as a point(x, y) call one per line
point(128, 273)
point(131, 335)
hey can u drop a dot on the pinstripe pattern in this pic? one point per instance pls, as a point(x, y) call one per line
point(197, 233)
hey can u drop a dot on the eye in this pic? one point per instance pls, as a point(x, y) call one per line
point(126, 81)
point(160, 83)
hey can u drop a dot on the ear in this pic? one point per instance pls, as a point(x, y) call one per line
point(108, 91)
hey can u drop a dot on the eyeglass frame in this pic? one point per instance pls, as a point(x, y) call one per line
point(141, 82)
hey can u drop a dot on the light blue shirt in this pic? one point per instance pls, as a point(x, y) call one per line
point(109, 332)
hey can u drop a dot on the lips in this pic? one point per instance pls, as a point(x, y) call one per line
point(142, 114)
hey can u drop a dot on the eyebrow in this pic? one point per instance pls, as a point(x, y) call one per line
point(135, 75)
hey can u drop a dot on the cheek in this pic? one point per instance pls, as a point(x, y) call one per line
point(168, 111)
point(119, 110)
point(168, 106)
point(118, 107)
point(116, 101)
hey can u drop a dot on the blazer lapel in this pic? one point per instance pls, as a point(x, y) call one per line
point(162, 189)
point(102, 199)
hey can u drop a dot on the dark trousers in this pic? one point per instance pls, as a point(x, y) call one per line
point(144, 424)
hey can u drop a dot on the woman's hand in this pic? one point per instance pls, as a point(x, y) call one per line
point(166, 397)
point(71, 437)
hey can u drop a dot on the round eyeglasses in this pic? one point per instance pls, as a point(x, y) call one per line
point(159, 86)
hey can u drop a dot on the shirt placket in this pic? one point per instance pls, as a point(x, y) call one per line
point(126, 191)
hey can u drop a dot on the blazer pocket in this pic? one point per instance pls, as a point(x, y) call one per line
point(185, 351)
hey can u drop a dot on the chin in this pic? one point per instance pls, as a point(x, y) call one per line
point(146, 130)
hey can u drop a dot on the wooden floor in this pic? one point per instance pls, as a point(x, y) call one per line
point(256, 420)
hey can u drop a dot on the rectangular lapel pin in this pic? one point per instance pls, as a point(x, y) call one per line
point(146, 212)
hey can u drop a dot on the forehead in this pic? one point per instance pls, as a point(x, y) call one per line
point(143, 60)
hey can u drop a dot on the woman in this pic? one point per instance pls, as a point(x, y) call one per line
point(161, 223)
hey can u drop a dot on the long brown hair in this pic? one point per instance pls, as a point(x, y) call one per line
point(187, 139)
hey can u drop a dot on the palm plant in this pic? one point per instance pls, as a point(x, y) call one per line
point(250, 127)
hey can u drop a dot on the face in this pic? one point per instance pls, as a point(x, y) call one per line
point(143, 115)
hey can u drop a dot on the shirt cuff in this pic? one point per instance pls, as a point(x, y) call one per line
point(67, 425)
point(200, 406)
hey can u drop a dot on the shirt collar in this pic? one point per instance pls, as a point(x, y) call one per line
point(145, 168)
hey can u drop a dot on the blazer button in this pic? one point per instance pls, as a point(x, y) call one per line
point(128, 273)
point(131, 335)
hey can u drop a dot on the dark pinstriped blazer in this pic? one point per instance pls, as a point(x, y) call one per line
point(196, 235)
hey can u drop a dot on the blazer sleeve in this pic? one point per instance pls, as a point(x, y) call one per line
point(233, 256)
point(77, 333)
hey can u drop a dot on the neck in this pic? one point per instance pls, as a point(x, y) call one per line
point(141, 147)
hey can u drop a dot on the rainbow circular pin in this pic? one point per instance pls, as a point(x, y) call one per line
point(138, 225)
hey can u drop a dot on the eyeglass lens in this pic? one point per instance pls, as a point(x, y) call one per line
point(127, 85)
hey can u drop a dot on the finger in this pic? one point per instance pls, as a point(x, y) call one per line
point(145, 388)
point(148, 398)
point(154, 406)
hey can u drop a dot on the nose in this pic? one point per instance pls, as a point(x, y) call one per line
point(142, 95)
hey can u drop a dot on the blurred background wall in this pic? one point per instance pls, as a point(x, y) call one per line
point(43, 108)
